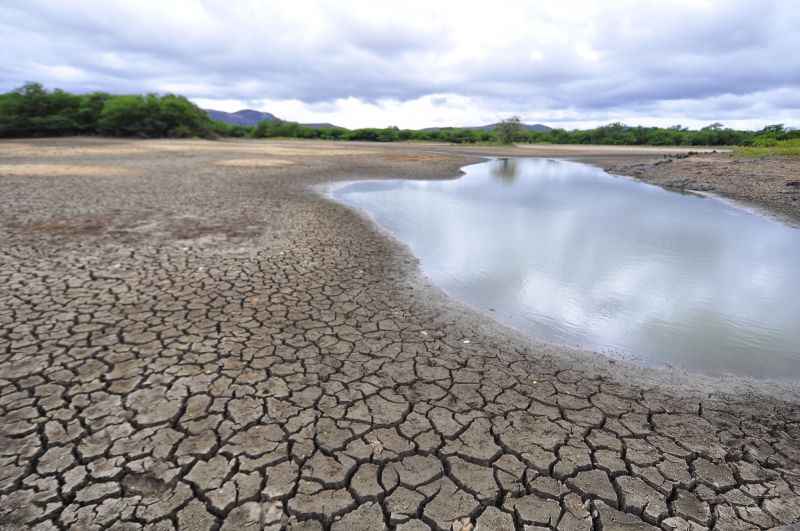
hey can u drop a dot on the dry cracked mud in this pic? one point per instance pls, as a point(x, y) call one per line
point(188, 344)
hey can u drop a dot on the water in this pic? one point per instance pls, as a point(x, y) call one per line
point(572, 255)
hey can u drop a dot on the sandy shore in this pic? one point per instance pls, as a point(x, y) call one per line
point(197, 340)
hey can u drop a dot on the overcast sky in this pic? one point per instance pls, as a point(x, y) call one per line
point(417, 64)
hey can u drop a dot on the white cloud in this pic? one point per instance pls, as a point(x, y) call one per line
point(420, 64)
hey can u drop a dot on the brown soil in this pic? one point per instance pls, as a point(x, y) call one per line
point(198, 346)
point(771, 183)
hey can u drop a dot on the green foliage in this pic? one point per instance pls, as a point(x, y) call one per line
point(769, 148)
point(33, 111)
point(509, 131)
point(621, 134)
point(153, 116)
point(279, 128)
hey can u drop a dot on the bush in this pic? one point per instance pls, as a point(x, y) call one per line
point(181, 131)
point(153, 116)
point(279, 128)
point(771, 148)
point(33, 111)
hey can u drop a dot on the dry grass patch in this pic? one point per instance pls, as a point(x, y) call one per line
point(402, 157)
point(315, 151)
point(253, 148)
point(17, 149)
point(93, 147)
point(254, 163)
point(284, 150)
point(59, 170)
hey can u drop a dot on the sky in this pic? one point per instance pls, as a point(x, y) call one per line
point(414, 64)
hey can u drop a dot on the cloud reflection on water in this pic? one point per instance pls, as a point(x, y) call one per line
point(570, 254)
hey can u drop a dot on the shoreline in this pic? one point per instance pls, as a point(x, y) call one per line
point(768, 185)
point(665, 378)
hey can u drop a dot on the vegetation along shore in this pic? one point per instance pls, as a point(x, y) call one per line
point(32, 110)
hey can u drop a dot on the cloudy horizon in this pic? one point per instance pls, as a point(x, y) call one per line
point(568, 64)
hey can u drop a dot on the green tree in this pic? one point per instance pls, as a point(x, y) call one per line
point(508, 130)
point(32, 111)
point(153, 116)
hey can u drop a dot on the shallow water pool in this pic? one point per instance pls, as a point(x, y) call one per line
point(570, 254)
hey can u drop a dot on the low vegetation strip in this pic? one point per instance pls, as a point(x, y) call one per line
point(784, 148)
point(31, 111)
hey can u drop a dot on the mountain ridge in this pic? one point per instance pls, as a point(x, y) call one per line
point(244, 117)
point(251, 117)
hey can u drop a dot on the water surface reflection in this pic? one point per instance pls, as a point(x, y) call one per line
point(572, 255)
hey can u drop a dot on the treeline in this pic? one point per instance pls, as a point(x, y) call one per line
point(612, 134)
point(282, 129)
point(619, 134)
point(32, 110)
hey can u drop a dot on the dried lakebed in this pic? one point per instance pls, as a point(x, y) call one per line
point(569, 254)
point(195, 345)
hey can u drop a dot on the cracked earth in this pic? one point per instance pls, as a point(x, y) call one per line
point(190, 344)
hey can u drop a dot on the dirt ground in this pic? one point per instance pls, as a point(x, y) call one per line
point(772, 184)
point(195, 339)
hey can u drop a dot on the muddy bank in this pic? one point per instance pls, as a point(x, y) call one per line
point(773, 184)
point(199, 341)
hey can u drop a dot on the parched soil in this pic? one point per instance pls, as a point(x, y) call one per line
point(189, 344)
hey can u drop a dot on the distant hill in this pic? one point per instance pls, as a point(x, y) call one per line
point(249, 117)
point(539, 128)
point(243, 117)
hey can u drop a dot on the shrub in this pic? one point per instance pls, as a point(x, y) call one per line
point(771, 148)
point(33, 111)
point(153, 116)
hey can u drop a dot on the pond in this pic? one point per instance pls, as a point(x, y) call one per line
point(569, 254)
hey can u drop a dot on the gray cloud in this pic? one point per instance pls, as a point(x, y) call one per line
point(637, 59)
